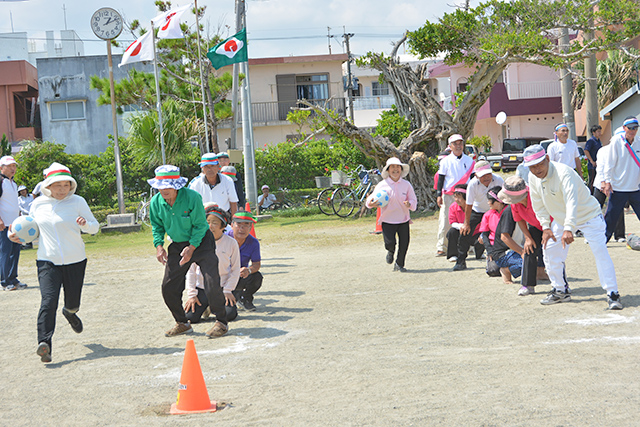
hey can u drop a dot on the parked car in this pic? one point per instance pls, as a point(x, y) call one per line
point(471, 151)
point(512, 149)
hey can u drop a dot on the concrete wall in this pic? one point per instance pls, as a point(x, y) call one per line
point(68, 79)
point(13, 46)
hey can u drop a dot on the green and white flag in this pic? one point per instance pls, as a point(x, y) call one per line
point(230, 51)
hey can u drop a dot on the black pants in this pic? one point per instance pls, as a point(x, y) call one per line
point(247, 287)
point(389, 232)
point(453, 235)
point(592, 176)
point(619, 231)
point(466, 240)
point(174, 273)
point(531, 262)
point(195, 316)
point(51, 278)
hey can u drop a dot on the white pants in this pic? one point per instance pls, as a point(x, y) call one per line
point(594, 233)
point(443, 222)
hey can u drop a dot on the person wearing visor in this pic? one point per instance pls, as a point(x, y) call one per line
point(562, 204)
point(621, 174)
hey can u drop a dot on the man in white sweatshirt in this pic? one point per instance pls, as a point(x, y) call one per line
point(621, 174)
point(558, 192)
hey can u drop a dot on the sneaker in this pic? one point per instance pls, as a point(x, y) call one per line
point(44, 351)
point(441, 253)
point(621, 240)
point(248, 305)
point(21, 285)
point(460, 266)
point(526, 290)
point(614, 301)
point(389, 257)
point(73, 319)
point(396, 267)
point(207, 313)
point(179, 329)
point(452, 259)
point(555, 297)
point(218, 330)
point(10, 288)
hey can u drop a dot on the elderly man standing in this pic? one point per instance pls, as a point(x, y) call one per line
point(9, 210)
point(621, 174)
point(562, 204)
point(565, 150)
point(214, 186)
point(455, 169)
point(179, 213)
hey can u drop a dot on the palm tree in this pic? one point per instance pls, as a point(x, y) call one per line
point(180, 128)
point(616, 74)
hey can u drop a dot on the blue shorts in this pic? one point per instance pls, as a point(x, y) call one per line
point(513, 261)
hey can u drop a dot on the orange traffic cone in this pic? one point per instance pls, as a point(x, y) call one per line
point(378, 223)
point(247, 207)
point(192, 391)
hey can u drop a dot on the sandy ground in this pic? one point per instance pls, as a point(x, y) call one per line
point(338, 340)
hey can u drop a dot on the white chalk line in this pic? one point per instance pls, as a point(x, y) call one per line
point(617, 340)
point(609, 319)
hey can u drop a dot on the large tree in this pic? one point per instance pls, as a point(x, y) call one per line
point(179, 78)
point(487, 38)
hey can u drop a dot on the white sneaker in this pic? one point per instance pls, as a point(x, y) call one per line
point(452, 259)
point(526, 290)
point(622, 240)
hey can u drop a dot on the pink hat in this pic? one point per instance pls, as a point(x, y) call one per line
point(455, 137)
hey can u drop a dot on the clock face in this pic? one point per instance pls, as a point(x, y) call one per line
point(106, 23)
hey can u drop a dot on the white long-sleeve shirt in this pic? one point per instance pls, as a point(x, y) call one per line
point(60, 240)
point(619, 168)
point(563, 196)
point(9, 209)
point(603, 157)
point(228, 254)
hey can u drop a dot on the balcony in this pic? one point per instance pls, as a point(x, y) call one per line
point(373, 102)
point(275, 113)
point(533, 90)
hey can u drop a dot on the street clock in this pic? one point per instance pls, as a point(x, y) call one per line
point(106, 23)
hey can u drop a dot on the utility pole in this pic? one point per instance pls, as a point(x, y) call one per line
point(329, 38)
point(346, 37)
point(567, 87)
point(591, 87)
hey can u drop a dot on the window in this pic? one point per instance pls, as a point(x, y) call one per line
point(312, 87)
point(380, 89)
point(70, 110)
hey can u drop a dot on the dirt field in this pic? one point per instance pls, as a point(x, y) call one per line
point(338, 340)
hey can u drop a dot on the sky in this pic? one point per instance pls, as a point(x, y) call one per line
point(275, 27)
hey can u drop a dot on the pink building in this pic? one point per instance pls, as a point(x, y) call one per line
point(19, 116)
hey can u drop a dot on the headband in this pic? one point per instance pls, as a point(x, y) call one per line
point(560, 126)
point(58, 172)
point(495, 196)
point(632, 121)
point(460, 190)
point(535, 156)
point(211, 211)
point(515, 193)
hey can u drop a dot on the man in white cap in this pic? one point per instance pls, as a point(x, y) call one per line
point(232, 173)
point(558, 193)
point(266, 199)
point(214, 186)
point(477, 206)
point(621, 174)
point(565, 150)
point(9, 211)
point(179, 213)
point(456, 168)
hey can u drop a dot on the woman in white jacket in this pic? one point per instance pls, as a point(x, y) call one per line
point(61, 215)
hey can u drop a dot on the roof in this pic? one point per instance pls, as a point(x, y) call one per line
point(298, 59)
point(619, 100)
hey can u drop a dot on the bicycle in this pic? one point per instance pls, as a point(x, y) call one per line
point(344, 200)
point(142, 213)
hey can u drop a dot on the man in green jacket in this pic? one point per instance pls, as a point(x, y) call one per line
point(179, 213)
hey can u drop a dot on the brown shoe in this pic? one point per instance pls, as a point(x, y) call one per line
point(218, 330)
point(179, 329)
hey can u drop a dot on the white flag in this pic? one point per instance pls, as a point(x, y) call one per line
point(139, 50)
point(168, 23)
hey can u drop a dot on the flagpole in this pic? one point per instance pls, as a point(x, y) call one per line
point(158, 102)
point(204, 101)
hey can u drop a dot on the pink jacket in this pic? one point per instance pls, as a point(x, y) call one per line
point(395, 212)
